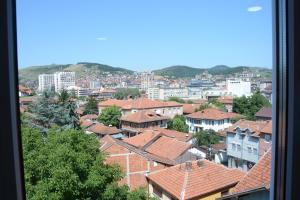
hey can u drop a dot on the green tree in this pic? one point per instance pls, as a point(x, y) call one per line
point(202, 107)
point(47, 112)
point(178, 124)
point(110, 116)
point(249, 106)
point(67, 164)
point(91, 107)
point(63, 96)
point(124, 93)
point(206, 138)
point(176, 99)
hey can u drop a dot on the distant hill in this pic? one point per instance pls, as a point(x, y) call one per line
point(81, 69)
point(180, 71)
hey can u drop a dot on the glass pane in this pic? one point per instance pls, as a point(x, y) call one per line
point(130, 99)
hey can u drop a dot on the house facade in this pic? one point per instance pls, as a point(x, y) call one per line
point(246, 143)
point(210, 118)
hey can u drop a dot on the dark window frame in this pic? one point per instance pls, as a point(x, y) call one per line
point(286, 87)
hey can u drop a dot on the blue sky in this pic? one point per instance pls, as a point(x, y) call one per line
point(145, 34)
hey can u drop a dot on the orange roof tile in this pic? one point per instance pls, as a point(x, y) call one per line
point(212, 113)
point(142, 139)
point(143, 116)
point(140, 103)
point(89, 116)
point(167, 147)
point(259, 176)
point(181, 136)
point(254, 126)
point(190, 108)
point(104, 130)
point(197, 182)
point(226, 100)
point(25, 89)
point(268, 128)
point(86, 123)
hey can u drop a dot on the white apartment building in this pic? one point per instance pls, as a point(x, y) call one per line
point(63, 80)
point(156, 93)
point(147, 80)
point(95, 85)
point(79, 91)
point(238, 87)
point(166, 93)
point(46, 82)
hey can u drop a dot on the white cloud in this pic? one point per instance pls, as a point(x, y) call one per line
point(101, 38)
point(254, 8)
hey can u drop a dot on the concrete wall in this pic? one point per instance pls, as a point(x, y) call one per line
point(216, 125)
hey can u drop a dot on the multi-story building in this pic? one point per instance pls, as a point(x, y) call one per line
point(46, 82)
point(147, 80)
point(246, 142)
point(238, 87)
point(63, 80)
point(165, 93)
point(95, 85)
point(153, 93)
point(168, 109)
point(79, 91)
point(210, 118)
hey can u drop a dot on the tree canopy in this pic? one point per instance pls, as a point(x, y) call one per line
point(176, 99)
point(91, 107)
point(67, 164)
point(212, 104)
point(48, 111)
point(124, 93)
point(110, 116)
point(206, 138)
point(178, 124)
point(249, 106)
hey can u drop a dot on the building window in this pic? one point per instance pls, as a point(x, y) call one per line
point(249, 150)
point(267, 138)
point(239, 148)
point(255, 151)
point(233, 146)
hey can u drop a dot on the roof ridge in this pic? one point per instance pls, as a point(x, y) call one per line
point(186, 177)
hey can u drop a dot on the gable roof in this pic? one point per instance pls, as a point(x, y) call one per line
point(264, 112)
point(86, 123)
point(226, 100)
point(140, 103)
point(88, 116)
point(268, 128)
point(212, 113)
point(104, 130)
point(196, 182)
point(190, 108)
point(181, 136)
point(258, 177)
point(143, 116)
point(254, 126)
point(167, 147)
point(142, 139)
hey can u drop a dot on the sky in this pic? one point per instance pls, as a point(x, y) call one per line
point(145, 34)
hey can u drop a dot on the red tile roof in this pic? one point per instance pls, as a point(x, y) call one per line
point(104, 130)
point(268, 128)
point(25, 90)
point(264, 112)
point(197, 182)
point(89, 116)
point(254, 126)
point(143, 116)
point(140, 103)
point(167, 147)
point(226, 100)
point(258, 177)
point(190, 108)
point(181, 136)
point(86, 123)
point(212, 113)
point(142, 139)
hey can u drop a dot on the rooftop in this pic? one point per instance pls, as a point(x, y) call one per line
point(143, 116)
point(212, 113)
point(104, 130)
point(196, 181)
point(254, 126)
point(264, 112)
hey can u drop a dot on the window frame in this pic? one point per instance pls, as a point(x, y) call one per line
point(286, 84)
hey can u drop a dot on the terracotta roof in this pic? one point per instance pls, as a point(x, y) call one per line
point(142, 139)
point(212, 113)
point(89, 116)
point(104, 130)
point(221, 146)
point(199, 101)
point(190, 108)
point(264, 112)
point(254, 126)
point(140, 103)
point(27, 99)
point(181, 136)
point(86, 123)
point(25, 90)
point(268, 128)
point(167, 147)
point(143, 116)
point(226, 100)
point(259, 176)
point(197, 182)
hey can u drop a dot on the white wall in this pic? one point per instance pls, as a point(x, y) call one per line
point(238, 87)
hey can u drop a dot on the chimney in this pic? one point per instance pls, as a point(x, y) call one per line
point(200, 163)
point(188, 165)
